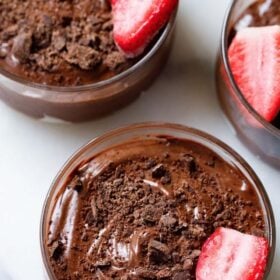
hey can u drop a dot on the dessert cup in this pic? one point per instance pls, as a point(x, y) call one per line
point(82, 103)
point(151, 131)
point(259, 135)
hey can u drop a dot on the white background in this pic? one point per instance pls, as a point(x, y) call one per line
point(32, 152)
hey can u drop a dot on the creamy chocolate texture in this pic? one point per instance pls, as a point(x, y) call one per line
point(143, 209)
point(56, 42)
point(261, 13)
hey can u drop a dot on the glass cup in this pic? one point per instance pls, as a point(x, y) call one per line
point(82, 103)
point(148, 131)
point(259, 135)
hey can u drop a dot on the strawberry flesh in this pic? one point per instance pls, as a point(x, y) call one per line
point(230, 255)
point(136, 22)
point(254, 57)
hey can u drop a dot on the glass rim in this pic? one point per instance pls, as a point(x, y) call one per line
point(267, 208)
point(64, 89)
point(224, 53)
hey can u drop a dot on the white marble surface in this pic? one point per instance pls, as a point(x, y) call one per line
point(32, 152)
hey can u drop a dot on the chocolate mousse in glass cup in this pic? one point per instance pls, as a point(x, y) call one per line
point(140, 201)
point(261, 136)
point(58, 60)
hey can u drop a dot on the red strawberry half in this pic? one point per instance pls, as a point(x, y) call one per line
point(254, 57)
point(136, 22)
point(230, 255)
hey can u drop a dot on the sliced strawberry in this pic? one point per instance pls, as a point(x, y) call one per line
point(230, 255)
point(136, 22)
point(254, 57)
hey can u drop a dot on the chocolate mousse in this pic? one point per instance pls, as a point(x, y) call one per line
point(260, 13)
point(143, 209)
point(61, 43)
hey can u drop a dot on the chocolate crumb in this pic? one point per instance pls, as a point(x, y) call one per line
point(168, 221)
point(85, 57)
point(56, 249)
point(22, 47)
point(59, 41)
point(157, 252)
point(114, 59)
point(183, 275)
point(149, 215)
point(43, 32)
point(143, 273)
point(159, 171)
point(4, 50)
point(191, 164)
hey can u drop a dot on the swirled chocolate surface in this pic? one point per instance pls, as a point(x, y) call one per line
point(142, 210)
